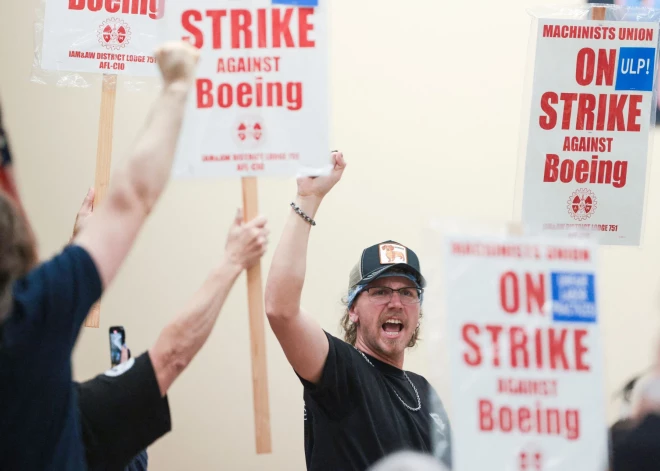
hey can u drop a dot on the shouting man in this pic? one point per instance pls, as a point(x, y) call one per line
point(360, 405)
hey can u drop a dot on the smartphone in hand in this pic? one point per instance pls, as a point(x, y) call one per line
point(117, 341)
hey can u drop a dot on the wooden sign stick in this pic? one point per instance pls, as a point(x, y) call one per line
point(515, 229)
point(598, 13)
point(257, 334)
point(103, 160)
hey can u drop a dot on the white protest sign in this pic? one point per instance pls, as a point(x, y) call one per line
point(101, 36)
point(260, 102)
point(588, 140)
point(525, 353)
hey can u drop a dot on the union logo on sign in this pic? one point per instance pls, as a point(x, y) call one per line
point(249, 132)
point(530, 458)
point(114, 34)
point(582, 204)
point(531, 461)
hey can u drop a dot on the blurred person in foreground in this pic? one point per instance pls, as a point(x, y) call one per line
point(407, 461)
point(43, 306)
point(635, 439)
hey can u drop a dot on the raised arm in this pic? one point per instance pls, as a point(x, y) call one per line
point(302, 339)
point(180, 341)
point(136, 186)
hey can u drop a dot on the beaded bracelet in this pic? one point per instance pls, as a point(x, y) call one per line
point(303, 215)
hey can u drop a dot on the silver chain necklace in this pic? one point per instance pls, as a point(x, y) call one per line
point(419, 401)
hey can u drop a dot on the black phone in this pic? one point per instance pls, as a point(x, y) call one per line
point(117, 341)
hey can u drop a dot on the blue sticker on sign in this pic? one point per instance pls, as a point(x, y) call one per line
point(573, 297)
point(635, 69)
point(298, 3)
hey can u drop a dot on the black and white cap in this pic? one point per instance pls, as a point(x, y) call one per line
point(382, 258)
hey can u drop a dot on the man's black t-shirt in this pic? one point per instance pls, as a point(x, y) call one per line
point(122, 413)
point(353, 416)
point(39, 424)
point(636, 447)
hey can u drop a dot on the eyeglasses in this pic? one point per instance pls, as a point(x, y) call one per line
point(383, 294)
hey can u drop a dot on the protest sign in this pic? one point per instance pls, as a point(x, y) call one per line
point(259, 108)
point(113, 36)
point(260, 104)
point(109, 37)
point(589, 130)
point(525, 353)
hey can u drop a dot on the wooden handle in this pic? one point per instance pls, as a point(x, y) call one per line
point(257, 334)
point(103, 161)
point(598, 13)
point(515, 229)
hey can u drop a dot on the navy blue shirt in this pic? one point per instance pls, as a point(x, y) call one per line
point(139, 463)
point(39, 423)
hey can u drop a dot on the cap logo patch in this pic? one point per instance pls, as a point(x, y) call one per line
point(392, 253)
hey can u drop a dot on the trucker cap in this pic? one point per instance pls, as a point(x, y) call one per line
point(382, 258)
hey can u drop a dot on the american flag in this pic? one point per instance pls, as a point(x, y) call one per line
point(7, 181)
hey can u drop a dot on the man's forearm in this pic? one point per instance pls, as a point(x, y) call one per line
point(136, 186)
point(180, 341)
point(150, 162)
point(287, 271)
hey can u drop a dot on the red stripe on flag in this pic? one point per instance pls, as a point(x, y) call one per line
point(8, 185)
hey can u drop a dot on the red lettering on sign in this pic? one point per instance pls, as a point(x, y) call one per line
point(594, 171)
point(530, 387)
point(281, 28)
point(519, 348)
point(268, 28)
point(537, 420)
point(581, 32)
point(621, 111)
point(216, 16)
point(495, 331)
point(241, 20)
point(562, 253)
point(556, 343)
point(580, 350)
point(538, 348)
point(248, 64)
point(555, 348)
point(587, 144)
point(245, 95)
point(636, 34)
point(587, 67)
point(475, 359)
point(510, 292)
point(154, 9)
